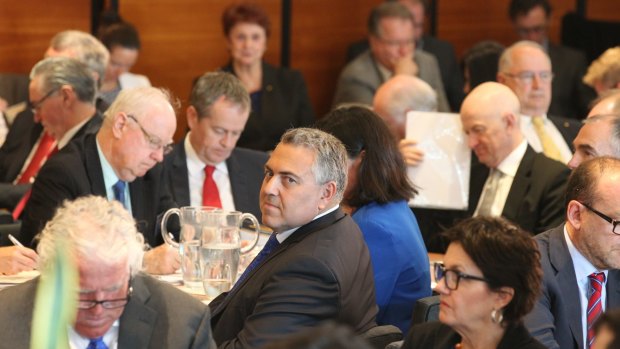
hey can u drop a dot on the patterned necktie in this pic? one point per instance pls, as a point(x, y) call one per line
point(210, 194)
point(269, 246)
point(549, 148)
point(97, 343)
point(595, 307)
point(46, 148)
point(119, 192)
point(489, 193)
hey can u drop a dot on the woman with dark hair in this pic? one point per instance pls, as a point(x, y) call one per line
point(489, 280)
point(607, 331)
point(376, 195)
point(480, 63)
point(279, 97)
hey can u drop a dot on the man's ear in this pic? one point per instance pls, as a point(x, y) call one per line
point(192, 117)
point(119, 120)
point(328, 192)
point(573, 214)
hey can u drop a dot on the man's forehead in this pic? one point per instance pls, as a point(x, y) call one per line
point(297, 159)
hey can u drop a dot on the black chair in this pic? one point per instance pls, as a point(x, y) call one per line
point(425, 310)
point(380, 336)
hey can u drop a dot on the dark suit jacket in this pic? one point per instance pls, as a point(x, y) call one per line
point(435, 335)
point(556, 318)
point(157, 316)
point(569, 95)
point(13, 157)
point(245, 169)
point(76, 171)
point(569, 128)
point(320, 272)
point(284, 104)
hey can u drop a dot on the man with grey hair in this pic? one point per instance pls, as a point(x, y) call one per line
point(206, 168)
point(392, 52)
point(118, 305)
point(315, 266)
point(599, 136)
point(119, 162)
point(526, 69)
point(396, 97)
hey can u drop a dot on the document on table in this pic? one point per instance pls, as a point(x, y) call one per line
point(442, 178)
point(9, 280)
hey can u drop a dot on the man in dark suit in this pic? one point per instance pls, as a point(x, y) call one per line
point(526, 69)
point(315, 266)
point(571, 96)
point(218, 111)
point(580, 259)
point(107, 250)
point(119, 162)
point(510, 179)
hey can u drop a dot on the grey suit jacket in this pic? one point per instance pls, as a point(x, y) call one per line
point(157, 316)
point(245, 169)
point(555, 320)
point(361, 78)
point(322, 271)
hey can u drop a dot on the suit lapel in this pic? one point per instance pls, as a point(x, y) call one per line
point(478, 176)
point(93, 166)
point(238, 182)
point(613, 289)
point(520, 186)
point(268, 103)
point(565, 275)
point(138, 320)
point(180, 181)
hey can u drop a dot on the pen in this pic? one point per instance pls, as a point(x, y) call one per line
point(15, 241)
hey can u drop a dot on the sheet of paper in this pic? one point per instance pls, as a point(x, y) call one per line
point(443, 176)
point(18, 278)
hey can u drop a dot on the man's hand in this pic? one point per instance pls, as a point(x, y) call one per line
point(411, 154)
point(163, 259)
point(14, 259)
point(3, 104)
point(407, 66)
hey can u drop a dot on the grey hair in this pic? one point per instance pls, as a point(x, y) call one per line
point(86, 48)
point(136, 101)
point(58, 71)
point(505, 60)
point(614, 121)
point(97, 230)
point(416, 95)
point(386, 10)
point(211, 86)
point(330, 163)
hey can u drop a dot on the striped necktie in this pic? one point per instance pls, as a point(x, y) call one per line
point(595, 306)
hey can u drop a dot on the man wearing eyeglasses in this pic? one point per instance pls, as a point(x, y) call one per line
point(580, 259)
point(526, 69)
point(118, 306)
point(571, 96)
point(392, 52)
point(119, 162)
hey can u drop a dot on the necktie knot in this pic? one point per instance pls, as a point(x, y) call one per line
point(597, 280)
point(97, 343)
point(209, 169)
point(119, 191)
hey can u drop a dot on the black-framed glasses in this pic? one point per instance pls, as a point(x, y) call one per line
point(36, 105)
point(452, 277)
point(527, 77)
point(154, 142)
point(613, 222)
point(107, 303)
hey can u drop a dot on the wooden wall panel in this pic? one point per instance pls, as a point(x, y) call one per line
point(26, 28)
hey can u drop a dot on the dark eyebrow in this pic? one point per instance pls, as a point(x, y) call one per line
point(585, 147)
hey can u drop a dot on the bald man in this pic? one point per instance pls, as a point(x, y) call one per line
point(508, 178)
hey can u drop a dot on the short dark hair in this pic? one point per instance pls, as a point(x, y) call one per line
point(481, 62)
point(507, 256)
point(209, 87)
point(245, 13)
point(382, 174)
point(583, 181)
point(522, 7)
point(120, 34)
point(386, 10)
point(611, 319)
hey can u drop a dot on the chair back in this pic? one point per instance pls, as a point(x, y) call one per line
point(425, 310)
point(380, 336)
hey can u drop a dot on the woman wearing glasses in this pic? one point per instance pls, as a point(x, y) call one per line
point(489, 281)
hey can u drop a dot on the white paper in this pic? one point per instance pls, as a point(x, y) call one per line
point(442, 177)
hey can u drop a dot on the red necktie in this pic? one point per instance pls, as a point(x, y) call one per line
point(46, 147)
point(210, 194)
point(595, 307)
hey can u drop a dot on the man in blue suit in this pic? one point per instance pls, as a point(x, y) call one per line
point(580, 259)
point(206, 168)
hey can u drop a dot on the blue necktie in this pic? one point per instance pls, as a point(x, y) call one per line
point(119, 192)
point(97, 343)
point(271, 244)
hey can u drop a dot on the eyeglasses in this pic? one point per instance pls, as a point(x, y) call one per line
point(523, 31)
point(34, 106)
point(107, 303)
point(398, 43)
point(452, 277)
point(154, 142)
point(613, 222)
point(527, 77)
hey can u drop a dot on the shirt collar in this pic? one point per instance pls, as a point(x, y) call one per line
point(285, 234)
point(194, 164)
point(510, 164)
point(64, 140)
point(109, 176)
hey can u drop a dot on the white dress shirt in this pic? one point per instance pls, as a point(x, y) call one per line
point(196, 177)
point(508, 167)
point(110, 338)
point(110, 178)
point(528, 130)
point(285, 234)
point(583, 268)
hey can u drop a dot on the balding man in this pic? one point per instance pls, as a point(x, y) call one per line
point(119, 162)
point(607, 103)
point(394, 99)
point(508, 178)
point(526, 69)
